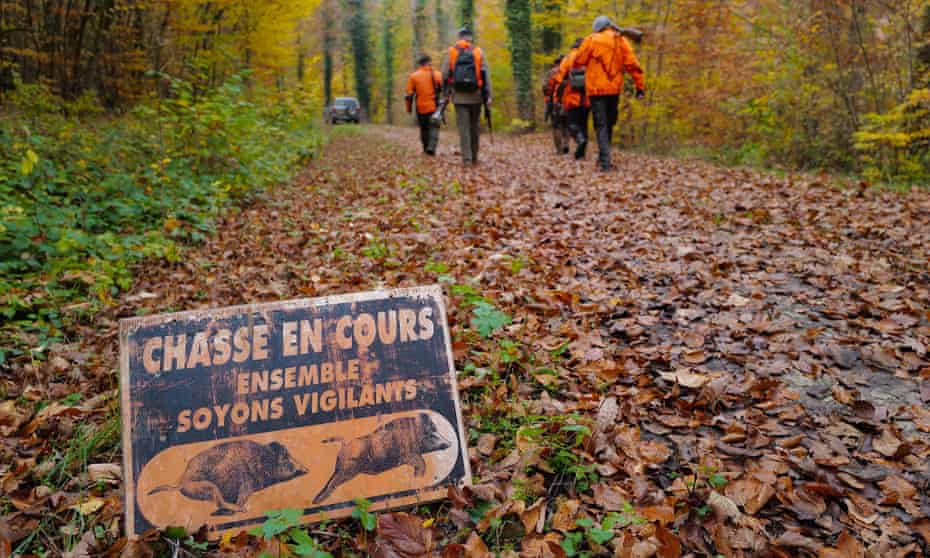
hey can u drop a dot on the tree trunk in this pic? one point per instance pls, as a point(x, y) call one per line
point(301, 60)
point(442, 25)
point(419, 28)
point(551, 31)
point(387, 47)
point(520, 33)
point(327, 53)
point(357, 28)
point(467, 11)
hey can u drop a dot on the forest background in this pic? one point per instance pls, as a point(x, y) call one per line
point(128, 125)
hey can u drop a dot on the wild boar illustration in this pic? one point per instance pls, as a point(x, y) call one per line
point(402, 441)
point(228, 474)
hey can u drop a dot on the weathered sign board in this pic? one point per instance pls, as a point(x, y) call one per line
point(304, 404)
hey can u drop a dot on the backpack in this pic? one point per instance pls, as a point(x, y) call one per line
point(576, 78)
point(465, 75)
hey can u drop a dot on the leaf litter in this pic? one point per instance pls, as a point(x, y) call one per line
point(672, 359)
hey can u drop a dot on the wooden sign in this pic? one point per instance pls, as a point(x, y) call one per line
point(305, 404)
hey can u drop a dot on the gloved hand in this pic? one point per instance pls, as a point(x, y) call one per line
point(548, 113)
point(640, 94)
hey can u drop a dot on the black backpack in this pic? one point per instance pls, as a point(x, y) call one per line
point(576, 78)
point(465, 75)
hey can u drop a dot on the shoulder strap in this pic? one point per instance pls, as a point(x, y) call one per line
point(613, 57)
point(477, 53)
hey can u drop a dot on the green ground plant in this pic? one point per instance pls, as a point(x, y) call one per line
point(591, 538)
point(367, 519)
point(284, 527)
point(85, 196)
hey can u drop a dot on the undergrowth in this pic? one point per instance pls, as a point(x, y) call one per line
point(85, 195)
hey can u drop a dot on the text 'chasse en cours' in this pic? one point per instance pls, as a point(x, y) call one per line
point(345, 378)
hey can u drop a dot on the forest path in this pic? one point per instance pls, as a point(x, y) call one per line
point(763, 338)
point(793, 316)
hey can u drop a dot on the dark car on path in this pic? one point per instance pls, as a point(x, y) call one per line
point(343, 109)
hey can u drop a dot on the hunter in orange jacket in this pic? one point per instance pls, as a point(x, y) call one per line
point(550, 80)
point(607, 55)
point(425, 84)
point(570, 97)
point(574, 102)
point(553, 110)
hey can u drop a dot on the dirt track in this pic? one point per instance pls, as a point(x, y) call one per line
point(720, 324)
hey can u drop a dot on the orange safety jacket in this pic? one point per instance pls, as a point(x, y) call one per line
point(425, 83)
point(571, 97)
point(462, 44)
point(606, 56)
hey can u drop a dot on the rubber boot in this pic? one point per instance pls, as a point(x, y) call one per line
point(581, 147)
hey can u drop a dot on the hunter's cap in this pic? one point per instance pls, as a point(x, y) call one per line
point(600, 22)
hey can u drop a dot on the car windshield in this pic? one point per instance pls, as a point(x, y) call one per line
point(345, 103)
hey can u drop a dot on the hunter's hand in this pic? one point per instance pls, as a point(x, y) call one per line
point(488, 102)
point(640, 94)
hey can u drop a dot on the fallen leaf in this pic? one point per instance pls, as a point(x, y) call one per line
point(608, 497)
point(750, 494)
point(486, 444)
point(534, 517)
point(475, 547)
point(662, 514)
point(686, 378)
point(887, 443)
point(793, 539)
point(725, 508)
point(542, 546)
point(669, 545)
point(847, 546)
point(401, 535)
point(105, 472)
point(564, 517)
point(88, 506)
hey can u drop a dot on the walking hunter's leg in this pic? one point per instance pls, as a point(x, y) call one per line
point(475, 123)
point(463, 123)
point(424, 124)
point(564, 132)
point(604, 109)
point(433, 141)
point(557, 132)
point(599, 112)
point(612, 112)
point(578, 128)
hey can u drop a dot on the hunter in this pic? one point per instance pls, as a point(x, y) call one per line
point(425, 84)
point(606, 56)
point(573, 100)
point(554, 113)
point(467, 80)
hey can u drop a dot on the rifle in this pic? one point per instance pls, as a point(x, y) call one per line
point(631, 33)
point(439, 117)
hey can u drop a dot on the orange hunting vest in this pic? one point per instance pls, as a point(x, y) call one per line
point(454, 54)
